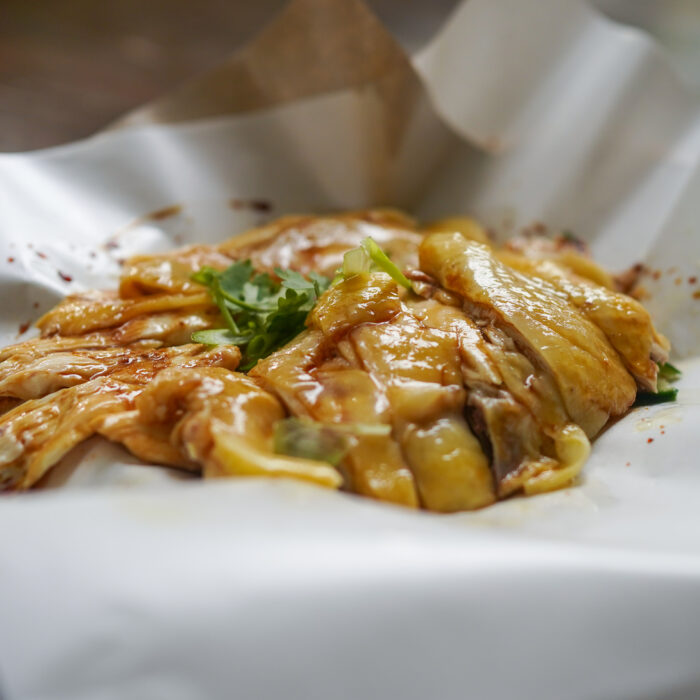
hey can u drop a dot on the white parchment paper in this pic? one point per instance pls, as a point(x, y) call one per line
point(130, 581)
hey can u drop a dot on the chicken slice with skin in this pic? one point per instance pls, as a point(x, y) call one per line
point(405, 375)
point(24, 376)
point(94, 311)
point(375, 463)
point(512, 404)
point(36, 434)
point(625, 322)
point(215, 420)
point(302, 243)
point(312, 382)
point(142, 332)
point(566, 264)
point(591, 378)
point(35, 348)
point(168, 328)
point(169, 273)
point(418, 368)
point(287, 372)
point(318, 243)
point(569, 253)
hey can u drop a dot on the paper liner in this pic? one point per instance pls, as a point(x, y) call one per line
point(125, 582)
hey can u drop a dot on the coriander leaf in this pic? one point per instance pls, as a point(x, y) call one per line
point(205, 275)
point(251, 293)
point(234, 277)
point(293, 280)
point(234, 302)
point(260, 313)
point(321, 283)
point(265, 284)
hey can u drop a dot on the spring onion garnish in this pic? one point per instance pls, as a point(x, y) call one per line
point(665, 392)
point(260, 313)
point(323, 442)
point(356, 262)
point(668, 372)
point(369, 256)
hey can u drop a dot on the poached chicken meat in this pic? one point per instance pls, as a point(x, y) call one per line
point(436, 370)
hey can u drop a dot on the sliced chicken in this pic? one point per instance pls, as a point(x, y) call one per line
point(169, 273)
point(591, 378)
point(24, 376)
point(145, 440)
point(317, 243)
point(94, 311)
point(312, 381)
point(215, 420)
point(303, 243)
point(624, 321)
point(155, 330)
point(36, 348)
point(419, 369)
point(168, 327)
point(392, 371)
point(488, 379)
point(512, 405)
point(567, 252)
point(36, 434)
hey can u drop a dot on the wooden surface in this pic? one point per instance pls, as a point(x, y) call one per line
point(70, 67)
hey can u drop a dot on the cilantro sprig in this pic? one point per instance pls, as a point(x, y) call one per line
point(261, 314)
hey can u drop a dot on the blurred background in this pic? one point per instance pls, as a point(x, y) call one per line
point(70, 67)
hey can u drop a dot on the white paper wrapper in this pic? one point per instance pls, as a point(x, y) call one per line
point(129, 581)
